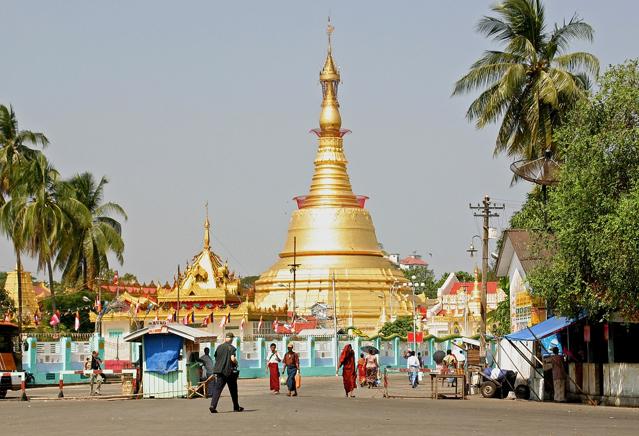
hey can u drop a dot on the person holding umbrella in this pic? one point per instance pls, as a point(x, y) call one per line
point(349, 372)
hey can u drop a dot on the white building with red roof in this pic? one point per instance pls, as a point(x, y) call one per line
point(458, 308)
point(413, 261)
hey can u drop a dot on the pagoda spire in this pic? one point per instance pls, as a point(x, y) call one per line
point(207, 226)
point(331, 186)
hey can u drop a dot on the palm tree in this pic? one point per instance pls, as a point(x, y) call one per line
point(531, 83)
point(14, 151)
point(10, 226)
point(14, 148)
point(48, 211)
point(83, 255)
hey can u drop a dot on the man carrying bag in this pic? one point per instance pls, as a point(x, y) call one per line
point(226, 373)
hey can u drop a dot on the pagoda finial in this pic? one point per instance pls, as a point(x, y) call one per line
point(207, 226)
point(329, 31)
point(330, 119)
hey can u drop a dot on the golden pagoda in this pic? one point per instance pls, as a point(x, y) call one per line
point(29, 300)
point(332, 235)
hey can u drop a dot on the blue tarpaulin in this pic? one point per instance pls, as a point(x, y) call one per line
point(161, 353)
point(541, 330)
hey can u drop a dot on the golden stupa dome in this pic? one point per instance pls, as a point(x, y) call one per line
point(331, 254)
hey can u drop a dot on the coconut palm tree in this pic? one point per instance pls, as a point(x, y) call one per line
point(14, 147)
point(14, 151)
point(10, 225)
point(531, 83)
point(83, 254)
point(46, 213)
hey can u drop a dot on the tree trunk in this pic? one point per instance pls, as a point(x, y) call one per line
point(19, 267)
point(53, 307)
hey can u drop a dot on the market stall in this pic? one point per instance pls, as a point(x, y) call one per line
point(169, 353)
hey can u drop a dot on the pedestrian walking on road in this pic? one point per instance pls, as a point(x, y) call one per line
point(412, 363)
point(292, 367)
point(361, 370)
point(96, 378)
point(272, 363)
point(371, 370)
point(349, 372)
point(226, 373)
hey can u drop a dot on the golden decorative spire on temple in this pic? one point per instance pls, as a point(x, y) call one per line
point(207, 226)
point(330, 119)
point(331, 186)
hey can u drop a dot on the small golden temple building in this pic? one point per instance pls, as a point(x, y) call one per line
point(205, 293)
point(30, 305)
point(331, 237)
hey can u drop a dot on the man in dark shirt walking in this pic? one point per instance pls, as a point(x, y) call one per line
point(226, 373)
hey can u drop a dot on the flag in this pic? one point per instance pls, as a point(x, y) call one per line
point(185, 319)
point(169, 317)
point(223, 322)
point(116, 278)
point(98, 305)
point(242, 324)
point(259, 324)
point(275, 324)
point(76, 326)
point(228, 318)
point(205, 321)
point(137, 307)
point(192, 317)
point(55, 319)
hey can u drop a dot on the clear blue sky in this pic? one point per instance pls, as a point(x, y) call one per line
point(180, 103)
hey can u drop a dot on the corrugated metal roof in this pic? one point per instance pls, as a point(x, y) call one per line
point(184, 331)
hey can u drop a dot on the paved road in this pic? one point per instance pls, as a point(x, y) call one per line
point(320, 409)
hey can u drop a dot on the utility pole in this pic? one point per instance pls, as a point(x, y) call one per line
point(486, 213)
point(177, 311)
point(294, 266)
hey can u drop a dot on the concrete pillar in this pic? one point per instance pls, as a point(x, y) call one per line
point(65, 351)
point(310, 343)
point(30, 356)
point(260, 353)
point(396, 351)
point(97, 344)
point(431, 350)
point(611, 344)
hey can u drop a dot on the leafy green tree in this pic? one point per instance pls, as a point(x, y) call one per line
point(531, 83)
point(6, 303)
point(401, 326)
point(68, 304)
point(423, 275)
point(593, 211)
point(83, 254)
point(248, 281)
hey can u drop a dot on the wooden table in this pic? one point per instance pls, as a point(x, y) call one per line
point(459, 380)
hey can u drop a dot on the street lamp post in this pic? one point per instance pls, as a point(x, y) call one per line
point(414, 286)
